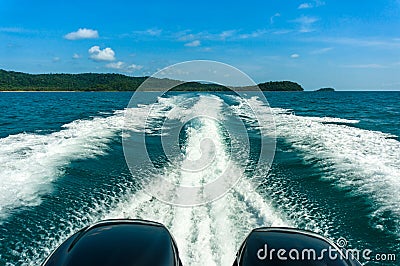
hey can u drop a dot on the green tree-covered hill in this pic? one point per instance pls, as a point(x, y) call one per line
point(18, 81)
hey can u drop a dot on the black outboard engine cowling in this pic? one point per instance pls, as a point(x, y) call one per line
point(140, 242)
point(118, 242)
point(269, 246)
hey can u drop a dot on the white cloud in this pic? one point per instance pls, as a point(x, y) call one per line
point(82, 33)
point(322, 50)
point(154, 32)
point(282, 32)
point(174, 73)
point(306, 23)
point(184, 36)
point(149, 32)
point(107, 54)
point(194, 43)
point(305, 6)
point(295, 56)
point(272, 18)
point(116, 65)
point(56, 59)
point(134, 67)
point(306, 20)
point(76, 56)
point(253, 34)
point(121, 66)
point(12, 30)
point(225, 34)
point(362, 42)
point(319, 3)
point(194, 39)
point(316, 3)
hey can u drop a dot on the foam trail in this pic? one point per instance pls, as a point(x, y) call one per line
point(30, 162)
point(198, 239)
point(99, 208)
point(206, 235)
point(136, 117)
point(209, 234)
point(269, 216)
point(364, 161)
point(280, 111)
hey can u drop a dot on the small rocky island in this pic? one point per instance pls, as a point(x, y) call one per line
point(326, 89)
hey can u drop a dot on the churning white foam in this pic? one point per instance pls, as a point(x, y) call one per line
point(209, 234)
point(30, 162)
point(143, 117)
point(280, 111)
point(206, 235)
point(366, 162)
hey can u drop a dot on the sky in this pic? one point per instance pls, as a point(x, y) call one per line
point(347, 45)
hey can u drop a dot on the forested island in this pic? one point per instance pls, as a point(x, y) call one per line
point(326, 89)
point(18, 81)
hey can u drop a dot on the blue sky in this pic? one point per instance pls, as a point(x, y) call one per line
point(348, 45)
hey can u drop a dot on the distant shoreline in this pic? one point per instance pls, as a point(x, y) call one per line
point(146, 91)
point(19, 81)
point(156, 90)
point(24, 91)
point(40, 91)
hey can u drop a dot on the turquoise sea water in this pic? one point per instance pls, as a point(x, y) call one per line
point(336, 171)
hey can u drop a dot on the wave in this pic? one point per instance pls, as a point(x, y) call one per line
point(363, 161)
point(209, 234)
point(281, 111)
point(31, 162)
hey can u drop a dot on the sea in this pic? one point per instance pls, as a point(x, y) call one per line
point(334, 168)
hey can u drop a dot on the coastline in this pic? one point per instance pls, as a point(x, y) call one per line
point(153, 91)
point(43, 91)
